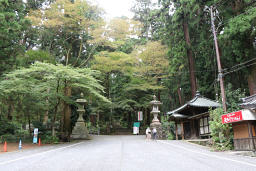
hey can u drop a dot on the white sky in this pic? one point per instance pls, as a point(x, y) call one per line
point(115, 8)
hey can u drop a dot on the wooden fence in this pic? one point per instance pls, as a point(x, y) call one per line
point(245, 144)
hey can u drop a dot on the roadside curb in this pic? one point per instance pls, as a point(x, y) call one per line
point(243, 153)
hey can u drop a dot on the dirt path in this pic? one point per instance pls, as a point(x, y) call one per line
point(15, 146)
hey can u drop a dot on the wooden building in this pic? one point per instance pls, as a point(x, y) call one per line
point(244, 124)
point(192, 119)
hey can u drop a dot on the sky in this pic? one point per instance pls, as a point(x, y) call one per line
point(116, 8)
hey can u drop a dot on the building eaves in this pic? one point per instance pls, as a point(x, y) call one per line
point(197, 101)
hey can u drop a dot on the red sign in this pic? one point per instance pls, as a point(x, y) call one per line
point(140, 116)
point(232, 117)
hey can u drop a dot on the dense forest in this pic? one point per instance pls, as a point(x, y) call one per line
point(52, 50)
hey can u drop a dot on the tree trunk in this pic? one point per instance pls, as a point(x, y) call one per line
point(10, 109)
point(129, 119)
point(67, 113)
point(252, 80)
point(170, 99)
point(148, 117)
point(29, 124)
point(190, 59)
point(55, 109)
point(180, 96)
point(47, 111)
point(144, 116)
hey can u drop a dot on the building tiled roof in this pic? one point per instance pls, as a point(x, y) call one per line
point(197, 101)
point(249, 102)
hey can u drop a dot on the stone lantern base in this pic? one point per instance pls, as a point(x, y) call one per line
point(80, 132)
point(158, 127)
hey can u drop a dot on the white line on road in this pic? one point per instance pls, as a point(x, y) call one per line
point(209, 155)
point(37, 154)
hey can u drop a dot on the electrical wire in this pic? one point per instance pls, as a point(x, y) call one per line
point(226, 21)
point(239, 68)
point(240, 64)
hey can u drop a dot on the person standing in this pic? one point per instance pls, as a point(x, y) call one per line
point(154, 133)
point(148, 133)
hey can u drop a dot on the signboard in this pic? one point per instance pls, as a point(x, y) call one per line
point(136, 130)
point(232, 117)
point(140, 116)
point(35, 135)
point(136, 124)
point(136, 127)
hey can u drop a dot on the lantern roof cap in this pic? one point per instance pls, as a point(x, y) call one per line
point(155, 102)
point(81, 100)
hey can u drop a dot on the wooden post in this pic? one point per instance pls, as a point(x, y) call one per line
point(192, 127)
point(182, 131)
point(250, 135)
point(220, 75)
point(176, 130)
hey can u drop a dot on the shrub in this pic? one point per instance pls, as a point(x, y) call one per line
point(7, 127)
point(170, 136)
point(48, 139)
point(168, 129)
point(222, 135)
point(8, 138)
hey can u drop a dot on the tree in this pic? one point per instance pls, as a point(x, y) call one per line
point(12, 26)
point(34, 82)
point(237, 37)
point(66, 30)
point(142, 10)
point(130, 79)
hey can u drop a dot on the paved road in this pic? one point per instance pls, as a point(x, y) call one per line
point(124, 153)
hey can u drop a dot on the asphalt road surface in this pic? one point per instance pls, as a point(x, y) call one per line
point(124, 153)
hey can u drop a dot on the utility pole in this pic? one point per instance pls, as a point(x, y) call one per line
point(220, 74)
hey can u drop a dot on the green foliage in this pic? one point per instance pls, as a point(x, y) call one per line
point(8, 138)
point(168, 128)
point(142, 10)
point(222, 135)
point(41, 127)
point(12, 131)
point(130, 79)
point(39, 89)
point(42, 76)
point(170, 136)
point(233, 98)
point(13, 25)
point(70, 37)
point(49, 139)
point(33, 56)
point(132, 69)
point(6, 127)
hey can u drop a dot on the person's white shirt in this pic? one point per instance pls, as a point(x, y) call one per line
point(147, 130)
point(154, 130)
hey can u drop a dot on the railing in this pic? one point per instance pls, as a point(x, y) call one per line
point(245, 144)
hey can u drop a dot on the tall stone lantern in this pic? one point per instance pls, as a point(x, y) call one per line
point(155, 122)
point(80, 131)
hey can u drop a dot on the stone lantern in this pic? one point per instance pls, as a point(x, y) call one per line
point(155, 122)
point(80, 131)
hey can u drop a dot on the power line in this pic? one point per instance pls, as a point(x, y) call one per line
point(240, 64)
point(226, 21)
point(237, 69)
